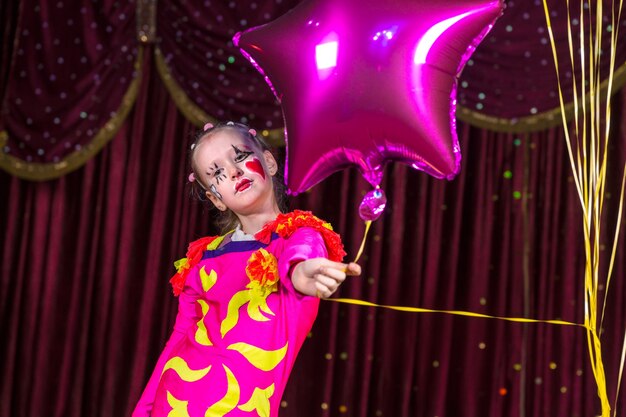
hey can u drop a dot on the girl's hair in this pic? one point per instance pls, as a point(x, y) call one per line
point(227, 220)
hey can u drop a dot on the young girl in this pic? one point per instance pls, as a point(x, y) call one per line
point(248, 298)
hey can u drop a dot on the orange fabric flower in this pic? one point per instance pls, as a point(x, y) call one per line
point(262, 269)
point(194, 255)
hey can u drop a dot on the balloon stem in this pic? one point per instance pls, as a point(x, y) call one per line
point(367, 228)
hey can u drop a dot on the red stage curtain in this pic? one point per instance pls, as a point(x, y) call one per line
point(86, 307)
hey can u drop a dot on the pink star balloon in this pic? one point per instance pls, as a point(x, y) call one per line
point(364, 82)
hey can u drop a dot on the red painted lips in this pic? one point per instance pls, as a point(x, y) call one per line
point(243, 185)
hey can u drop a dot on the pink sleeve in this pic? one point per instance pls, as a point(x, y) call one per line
point(305, 243)
point(185, 318)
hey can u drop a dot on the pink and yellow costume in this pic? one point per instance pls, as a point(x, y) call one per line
point(240, 322)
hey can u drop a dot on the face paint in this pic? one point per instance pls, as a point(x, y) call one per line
point(215, 192)
point(240, 155)
point(217, 173)
point(254, 165)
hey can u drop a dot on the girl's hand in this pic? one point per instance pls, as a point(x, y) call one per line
point(320, 277)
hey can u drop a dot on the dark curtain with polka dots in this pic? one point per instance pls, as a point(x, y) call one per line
point(71, 66)
point(85, 306)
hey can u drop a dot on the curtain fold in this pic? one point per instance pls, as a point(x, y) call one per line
point(8, 16)
point(68, 299)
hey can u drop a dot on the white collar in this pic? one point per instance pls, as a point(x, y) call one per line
point(239, 235)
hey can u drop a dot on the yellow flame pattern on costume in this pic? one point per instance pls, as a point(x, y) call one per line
point(179, 365)
point(230, 399)
point(208, 281)
point(179, 407)
point(265, 360)
point(257, 306)
point(255, 294)
point(202, 337)
point(232, 315)
point(259, 401)
point(263, 276)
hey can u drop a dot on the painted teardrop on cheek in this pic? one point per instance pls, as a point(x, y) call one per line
point(254, 165)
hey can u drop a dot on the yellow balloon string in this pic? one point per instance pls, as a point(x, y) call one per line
point(452, 312)
point(589, 168)
point(368, 223)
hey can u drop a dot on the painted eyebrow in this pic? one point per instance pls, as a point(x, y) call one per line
point(240, 152)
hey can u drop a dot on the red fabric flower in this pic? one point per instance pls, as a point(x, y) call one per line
point(265, 234)
point(194, 255)
point(262, 268)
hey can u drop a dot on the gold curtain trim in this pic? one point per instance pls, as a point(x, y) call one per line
point(195, 114)
point(47, 171)
point(541, 121)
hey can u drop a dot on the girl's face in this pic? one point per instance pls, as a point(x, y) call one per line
point(237, 175)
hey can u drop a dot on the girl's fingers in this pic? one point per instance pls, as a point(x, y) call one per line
point(353, 269)
point(322, 291)
point(328, 282)
point(349, 269)
point(327, 263)
point(328, 275)
point(336, 274)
